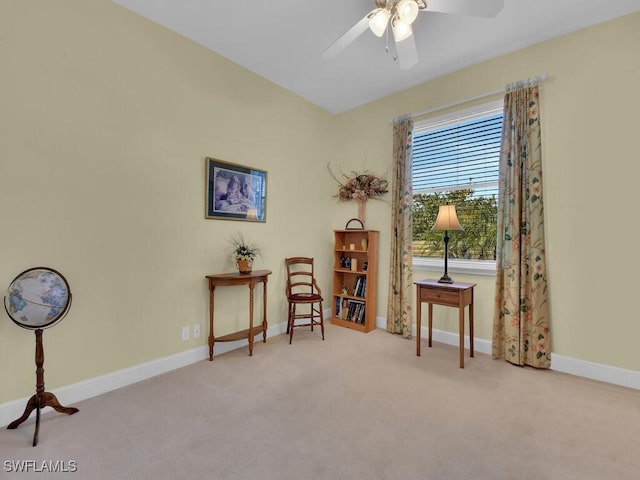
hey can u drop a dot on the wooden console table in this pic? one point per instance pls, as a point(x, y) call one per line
point(457, 294)
point(250, 279)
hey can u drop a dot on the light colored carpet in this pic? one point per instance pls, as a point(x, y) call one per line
point(356, 406)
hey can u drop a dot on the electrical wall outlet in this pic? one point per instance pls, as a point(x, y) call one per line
point(196, 330)
point(185, 333)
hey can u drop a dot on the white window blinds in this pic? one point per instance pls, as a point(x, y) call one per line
point(455, 160)
point(459, 151)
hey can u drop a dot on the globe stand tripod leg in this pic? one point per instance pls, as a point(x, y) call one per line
point(32, 404)
point(41, 399)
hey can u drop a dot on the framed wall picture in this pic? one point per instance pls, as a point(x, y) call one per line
point(235, 192)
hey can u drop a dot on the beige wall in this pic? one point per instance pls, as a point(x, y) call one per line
point(105, 120)
point(589, 117)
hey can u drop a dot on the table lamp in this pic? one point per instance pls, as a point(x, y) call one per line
point(447, 220)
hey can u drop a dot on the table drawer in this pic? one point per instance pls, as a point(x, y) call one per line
point(439, 296)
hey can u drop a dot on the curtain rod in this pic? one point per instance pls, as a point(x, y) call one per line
point(528, 82)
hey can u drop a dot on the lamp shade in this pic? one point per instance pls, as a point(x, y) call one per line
point(447, 219)
point(407, 11)
point(401, 30)
point(379, 20)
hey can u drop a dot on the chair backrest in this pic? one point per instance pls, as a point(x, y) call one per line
point(300, 276)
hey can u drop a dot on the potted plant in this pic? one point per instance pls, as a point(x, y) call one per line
point(244, 253)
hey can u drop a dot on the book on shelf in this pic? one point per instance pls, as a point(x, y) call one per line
point(342, 307)
point(345, 313)
point(350, 309)
point(360, 286)
point(356, 311)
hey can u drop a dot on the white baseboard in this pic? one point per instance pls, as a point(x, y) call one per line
point(595, 371)
point(70, 394)
point(559, 363)
point(479, 345)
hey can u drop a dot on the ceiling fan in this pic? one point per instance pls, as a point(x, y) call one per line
point(399, 15)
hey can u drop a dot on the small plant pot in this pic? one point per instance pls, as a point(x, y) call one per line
point(244, 266)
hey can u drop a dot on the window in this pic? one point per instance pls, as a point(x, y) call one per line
point(455, 160)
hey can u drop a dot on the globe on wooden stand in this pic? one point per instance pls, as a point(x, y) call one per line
point(38, 298)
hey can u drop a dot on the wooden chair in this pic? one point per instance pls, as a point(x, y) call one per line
point(302, 289)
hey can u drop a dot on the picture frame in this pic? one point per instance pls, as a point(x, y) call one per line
point(235, 192)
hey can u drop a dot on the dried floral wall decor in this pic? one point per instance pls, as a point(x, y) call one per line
point(360, 186)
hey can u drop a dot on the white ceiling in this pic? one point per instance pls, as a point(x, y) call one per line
point(282, 40)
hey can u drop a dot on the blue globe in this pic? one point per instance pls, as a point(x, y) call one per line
point(38, 298)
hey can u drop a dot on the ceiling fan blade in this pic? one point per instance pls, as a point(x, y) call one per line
point(348, 37)
point(407, 53)
point(474, 8)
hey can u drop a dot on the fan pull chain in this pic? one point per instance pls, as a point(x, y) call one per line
point(386, 46)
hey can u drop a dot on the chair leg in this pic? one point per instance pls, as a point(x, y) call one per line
point(288, 318)
point(292, 319)
point(315, 316)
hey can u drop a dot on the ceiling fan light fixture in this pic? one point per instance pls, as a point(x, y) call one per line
point(401, 30)
point(407, 11)
point(378, 22)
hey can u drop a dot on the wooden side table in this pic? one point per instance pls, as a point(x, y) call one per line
point(250, 279)
point(457, 294)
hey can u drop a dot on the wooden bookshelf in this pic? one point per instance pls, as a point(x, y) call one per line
point(355, 267)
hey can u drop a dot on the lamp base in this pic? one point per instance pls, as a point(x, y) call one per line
point(445, 279)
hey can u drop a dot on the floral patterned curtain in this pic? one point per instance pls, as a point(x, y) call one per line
point(521, 314)
point(399, 311)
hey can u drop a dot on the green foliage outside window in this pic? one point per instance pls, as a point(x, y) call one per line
point(477, 215)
